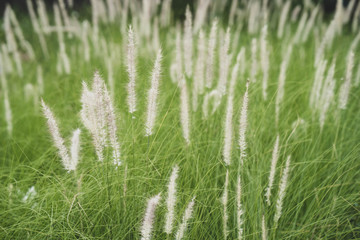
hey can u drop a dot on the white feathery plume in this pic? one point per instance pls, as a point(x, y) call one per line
point(283, 17)
point(242, 60)
point(327, 94)
point(148, 221)
point(188, 42)
point(274, 159)
point(93, 120)
point(165, 15)
point(44, 20)
point(282, 191)
point(131, 69)
point(200, 15)
point(109, 66)
point(211, 55)
point(178, 58)
point(63, 12)
point(184, 113)
point(243, 125)
point(8, 113)
point(254, 63)
point(19, 34)
point(6, 61)
point(36, 26)
point(354, 44)
point(152, 95)
point(281, 85)
point(346, 86)
point(75, 148)
point(171, 201)
point(11, 42)
point(239, 209)
point(300, 28)
point(112, 128)
point(58, 140)
point(233, 9)
point(225, 202)
point(319, 76)
point(264, 60)
point(235, 71)
point(186, 217)
point(348, 11)
point(215, 95)
point(224, 63)
point(326, 41)
point(295, 13)
point(310, 24)
point(30, 194)
point(253, 22)
point(263, 228)
point(228, 130)
point(200, 63)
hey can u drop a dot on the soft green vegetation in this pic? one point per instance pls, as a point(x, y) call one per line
point(98, 201)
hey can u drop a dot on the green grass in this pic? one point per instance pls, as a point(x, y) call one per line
point(322, 198)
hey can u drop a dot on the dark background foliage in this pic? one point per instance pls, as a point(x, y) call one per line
point(178, 6)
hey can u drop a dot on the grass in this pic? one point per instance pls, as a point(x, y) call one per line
point(322, 198)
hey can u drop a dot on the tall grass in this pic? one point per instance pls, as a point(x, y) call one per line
point(272, 80)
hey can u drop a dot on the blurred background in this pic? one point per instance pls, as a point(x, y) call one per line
point(178, 6)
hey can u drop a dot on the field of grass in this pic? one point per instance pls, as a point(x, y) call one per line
point(101, 201)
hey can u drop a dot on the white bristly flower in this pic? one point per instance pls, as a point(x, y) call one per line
point(275, 157)
point(346, 86)
point(282, 191)
point(281, 85)
point(75, 149)
point(200, 63)
point(263, 228)
point(235, 72)
point(224, 63)
point(300, 27)
point(319, 76)
point(211, 55)
point(327, 95)
point(91, 121)
point(112, 128)
point(188, 42)
point(243, 125)
point(131, 71)
point(228, 131)
point(152, 96)
point(148, 221)
point(239, 211)
point(264, 60)
point(187, 216)
point(254, 63)
point(184, 113)
point(171, 201)
point(178, 57)
point(58, 140)
point(310, 24)
point(282, 19)
point(224, 202)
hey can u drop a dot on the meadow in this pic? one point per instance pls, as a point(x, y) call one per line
point(238, 121)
